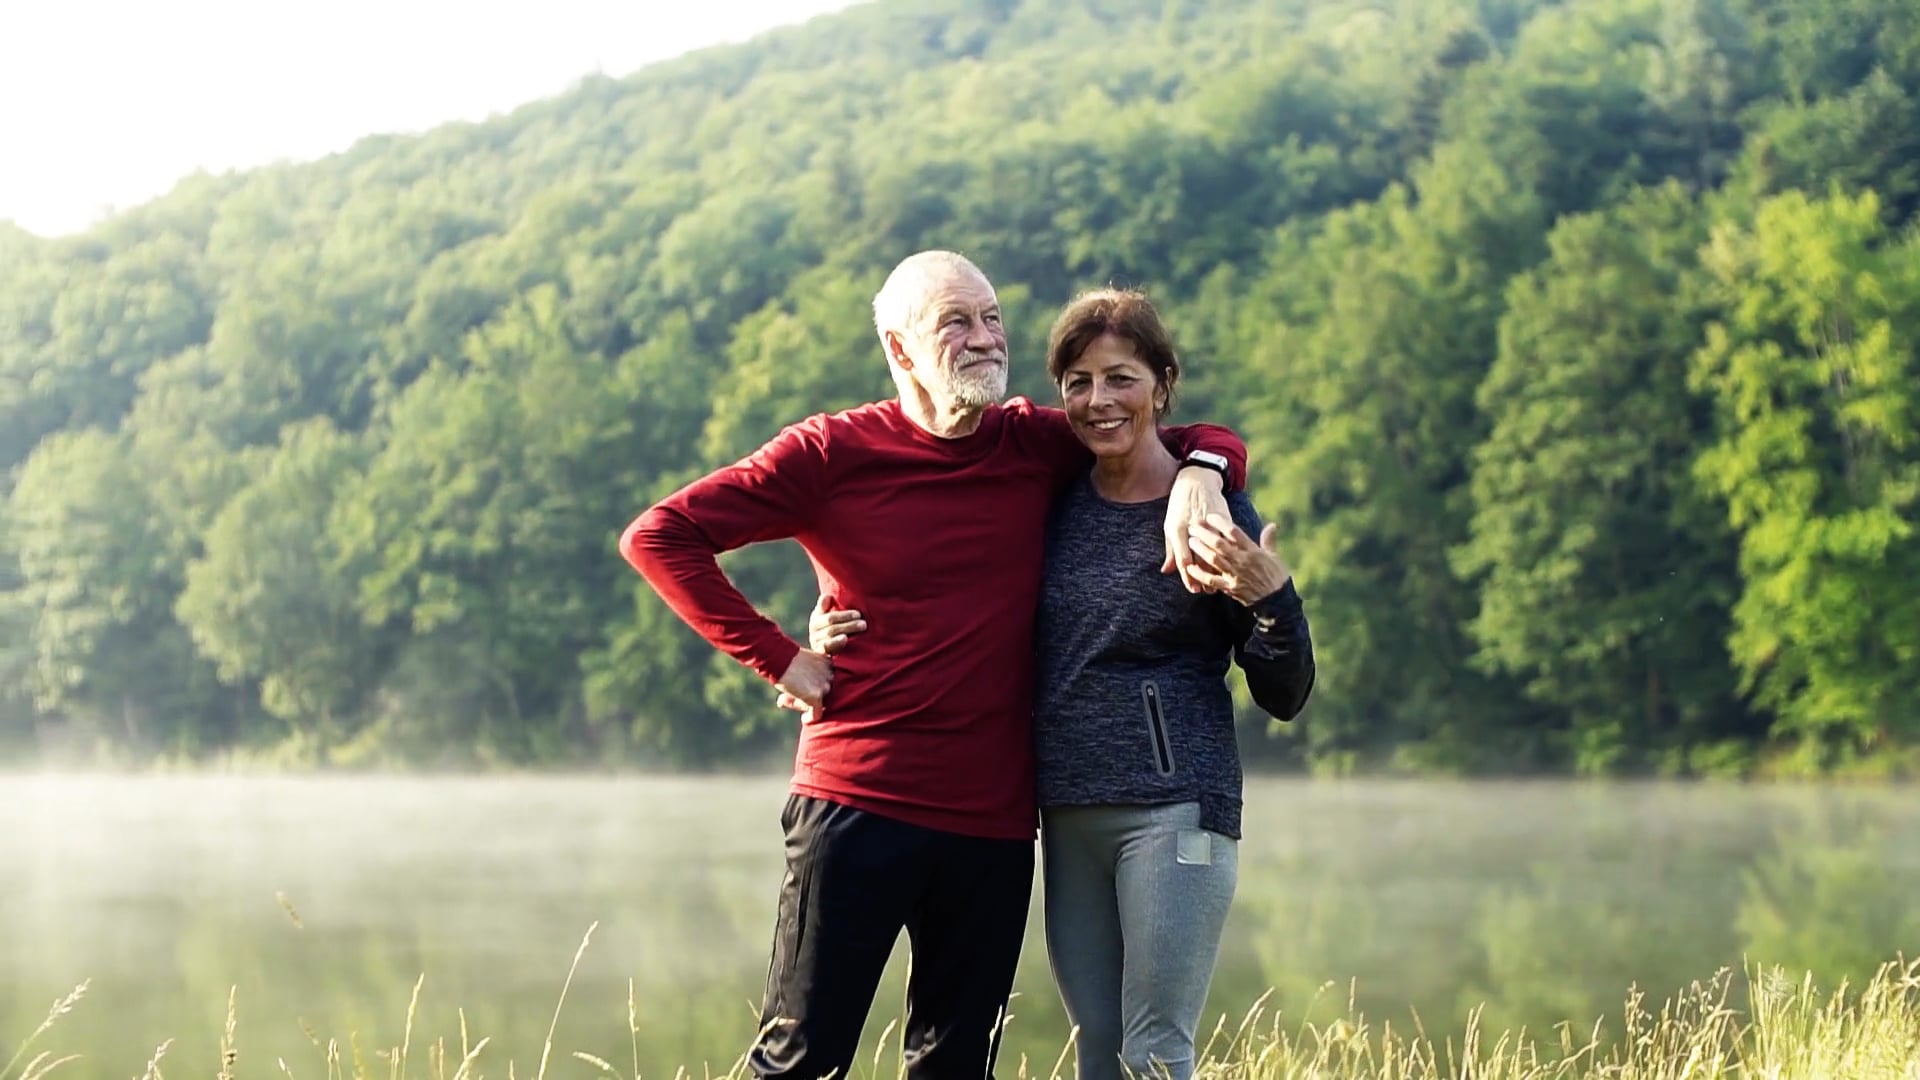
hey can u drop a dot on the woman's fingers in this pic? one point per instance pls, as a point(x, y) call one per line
point(1228, 532)
point(1212, 581)
point(1229, 556)
point(1225, 550)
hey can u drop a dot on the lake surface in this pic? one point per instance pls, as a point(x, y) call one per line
point(1544, 901)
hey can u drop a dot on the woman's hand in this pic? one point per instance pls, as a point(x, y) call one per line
point(1234, 564)
point(828, 631)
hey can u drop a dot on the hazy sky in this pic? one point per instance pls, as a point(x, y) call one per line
point(106, 103)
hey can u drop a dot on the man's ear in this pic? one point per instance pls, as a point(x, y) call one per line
point(896, 350)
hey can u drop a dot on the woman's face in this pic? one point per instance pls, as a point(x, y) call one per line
point(1111, 397)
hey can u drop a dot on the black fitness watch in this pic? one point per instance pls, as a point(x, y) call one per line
point(1206, 459)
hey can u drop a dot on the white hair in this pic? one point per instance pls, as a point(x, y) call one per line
point(897, 304)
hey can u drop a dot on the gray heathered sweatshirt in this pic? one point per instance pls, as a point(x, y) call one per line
point(1132, 702)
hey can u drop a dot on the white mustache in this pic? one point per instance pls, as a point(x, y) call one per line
point(972, 356)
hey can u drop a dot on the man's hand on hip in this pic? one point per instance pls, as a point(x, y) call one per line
point(1197, 493)
point(803, 688)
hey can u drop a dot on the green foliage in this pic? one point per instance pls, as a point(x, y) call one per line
point(1603, 579)
point(105, 652)
point(270, 599)
point(1815, 375)
point(328, 461)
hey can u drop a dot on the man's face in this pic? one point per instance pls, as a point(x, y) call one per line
point(957, 345)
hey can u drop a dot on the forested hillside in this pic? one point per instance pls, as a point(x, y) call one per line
point(1575, 344)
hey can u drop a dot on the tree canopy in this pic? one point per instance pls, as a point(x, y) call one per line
point(1574, 343)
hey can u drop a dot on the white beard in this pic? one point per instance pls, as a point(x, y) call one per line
point(975, 388)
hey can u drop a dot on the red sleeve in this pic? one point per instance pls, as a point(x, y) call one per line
point(1053, 439)
point(1069, 457)
point(1220, 440)
point(769, 495)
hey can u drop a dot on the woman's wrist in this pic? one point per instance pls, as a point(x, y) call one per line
point(1273, 581)
point(1275, 604)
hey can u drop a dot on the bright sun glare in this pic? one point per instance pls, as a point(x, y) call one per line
point(107, 103)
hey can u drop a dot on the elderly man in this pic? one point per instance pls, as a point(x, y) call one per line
point(912, 800)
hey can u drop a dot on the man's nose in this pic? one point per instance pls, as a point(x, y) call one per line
point(981, 336)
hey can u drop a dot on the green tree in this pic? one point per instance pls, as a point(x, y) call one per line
point(487, 521)
point(1604, 575)
point(1387, 324)
point(1698, 78)
point(271, 601)
point(1865, 140)
point(107, 654)
point(1816, 385)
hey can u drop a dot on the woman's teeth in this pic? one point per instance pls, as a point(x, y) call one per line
point(1107, 425)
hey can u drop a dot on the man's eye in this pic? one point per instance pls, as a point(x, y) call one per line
point(993, 320)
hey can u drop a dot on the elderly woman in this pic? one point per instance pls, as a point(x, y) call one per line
point(1138, 771)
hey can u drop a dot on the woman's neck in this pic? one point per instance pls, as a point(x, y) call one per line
point(1144, 474)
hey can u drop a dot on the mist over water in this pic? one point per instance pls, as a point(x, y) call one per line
point(1542, 900)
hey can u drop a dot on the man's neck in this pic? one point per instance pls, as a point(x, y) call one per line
point(942, 420)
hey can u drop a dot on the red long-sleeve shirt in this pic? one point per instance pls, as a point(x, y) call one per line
point(940, 544)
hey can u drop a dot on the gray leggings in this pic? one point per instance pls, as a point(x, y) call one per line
point(1135, 900)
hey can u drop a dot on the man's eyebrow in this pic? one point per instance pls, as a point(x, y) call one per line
point(947, 311)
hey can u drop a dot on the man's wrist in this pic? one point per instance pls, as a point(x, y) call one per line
point(784, 653)
point(1206, 478)
point(1208, 460)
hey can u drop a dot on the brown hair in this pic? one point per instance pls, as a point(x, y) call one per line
point(1126, 314)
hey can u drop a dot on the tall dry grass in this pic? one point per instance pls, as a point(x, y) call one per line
point(1793, 1030)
